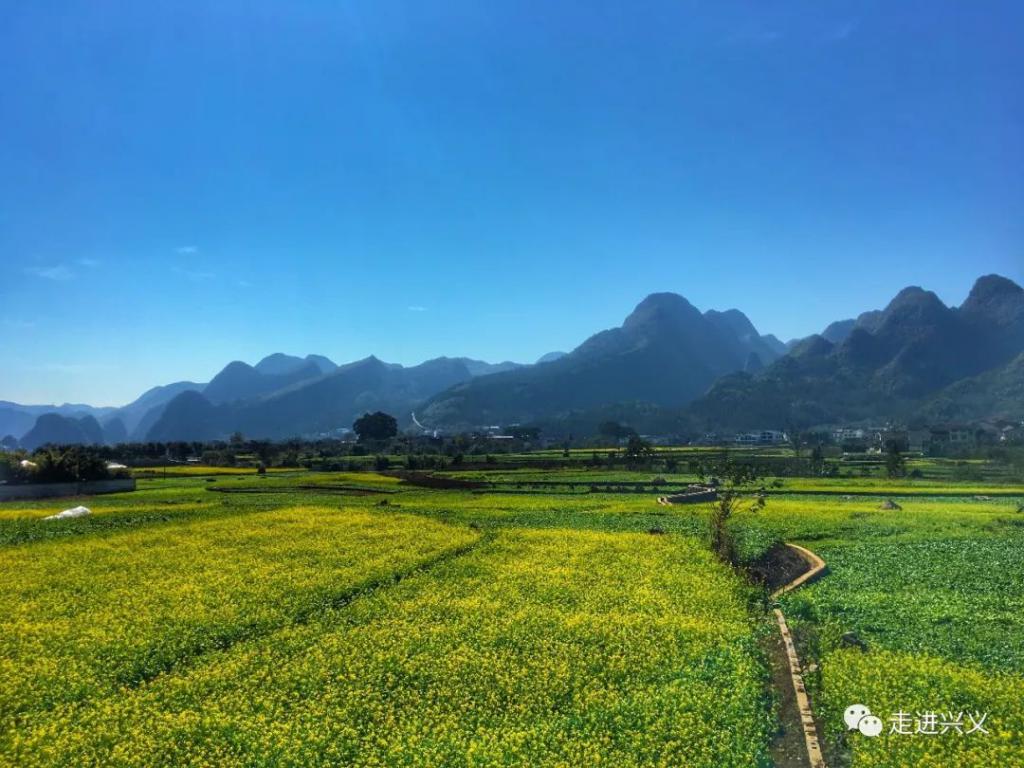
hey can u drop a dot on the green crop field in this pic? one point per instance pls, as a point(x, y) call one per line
point(320, 618)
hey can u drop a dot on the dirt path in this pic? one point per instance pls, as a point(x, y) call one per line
point(789, 750)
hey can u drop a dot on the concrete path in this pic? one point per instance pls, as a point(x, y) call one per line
point(817, 567)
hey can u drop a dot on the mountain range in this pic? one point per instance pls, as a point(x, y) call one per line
point(669, 368)
point(915, 359)
point(665, 353)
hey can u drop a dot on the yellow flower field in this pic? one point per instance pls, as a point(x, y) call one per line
point(558, 648)
point(84, 617)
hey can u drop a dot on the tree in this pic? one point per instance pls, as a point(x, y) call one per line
point(73, 464)
point(375, 426)
point(795, 440)
point(736, 479)
point(637, 449)
point(895, 464)
point(817, 460)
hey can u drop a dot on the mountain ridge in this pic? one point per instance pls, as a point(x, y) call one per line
point(667, 364)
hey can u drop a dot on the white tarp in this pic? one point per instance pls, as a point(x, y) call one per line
point(69, 513)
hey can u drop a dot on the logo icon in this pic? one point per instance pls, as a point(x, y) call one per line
point(859, 718)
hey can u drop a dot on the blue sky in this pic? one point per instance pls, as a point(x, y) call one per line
point(184, 184)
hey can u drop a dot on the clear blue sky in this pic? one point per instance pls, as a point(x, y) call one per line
point(183, 184)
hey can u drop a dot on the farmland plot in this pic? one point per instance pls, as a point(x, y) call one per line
point(554, 647)
point(930, 600)
point(87, 616)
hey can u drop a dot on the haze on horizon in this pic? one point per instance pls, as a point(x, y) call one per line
point(185, 186)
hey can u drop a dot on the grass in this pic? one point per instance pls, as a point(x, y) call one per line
point(298, 624)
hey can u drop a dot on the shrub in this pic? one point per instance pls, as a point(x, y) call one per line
point(11, 470)
point(70, 465)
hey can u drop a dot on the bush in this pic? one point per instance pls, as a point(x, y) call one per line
point(11, 470)
point(71, 465)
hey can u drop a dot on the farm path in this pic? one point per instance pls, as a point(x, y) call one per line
point(787, 676)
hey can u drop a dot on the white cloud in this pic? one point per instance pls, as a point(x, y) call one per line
point(87, 262)
point(56, 272)
point(416, 308)
point(244, 284)
point(187, 250)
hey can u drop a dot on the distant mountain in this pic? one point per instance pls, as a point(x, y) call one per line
point(668, 368)
point(776, 346)
point(993, 395)
point(550, 357)
point(52, 428)
point(326, 365)
point(838, 331)
point(189, 416)
point(239, 381)
point(889, 365)
point(321, 405)
point(114, 431)
point(17, 419)
point(735, 323)
point(483, 368)
point(279, 364)
point(135, 413)
point(236, 381)
point(67, 409)
point(665, 353)
point(14, 421)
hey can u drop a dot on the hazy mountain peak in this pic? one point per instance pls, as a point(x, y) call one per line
point(325, 364)
point(482, 367)
point(278, 363)
point(550, 357)
point(738, 322)
point(235, 366)
point(913, 306)
point(869, 320)
point(988, 286)
point(63, 430)
point(662, 310)
point(813, 346)
point(838, 331)
point(995, 298)
point(239, 381)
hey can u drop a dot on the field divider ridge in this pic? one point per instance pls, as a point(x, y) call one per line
point(814, 754)
point(336, 603)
